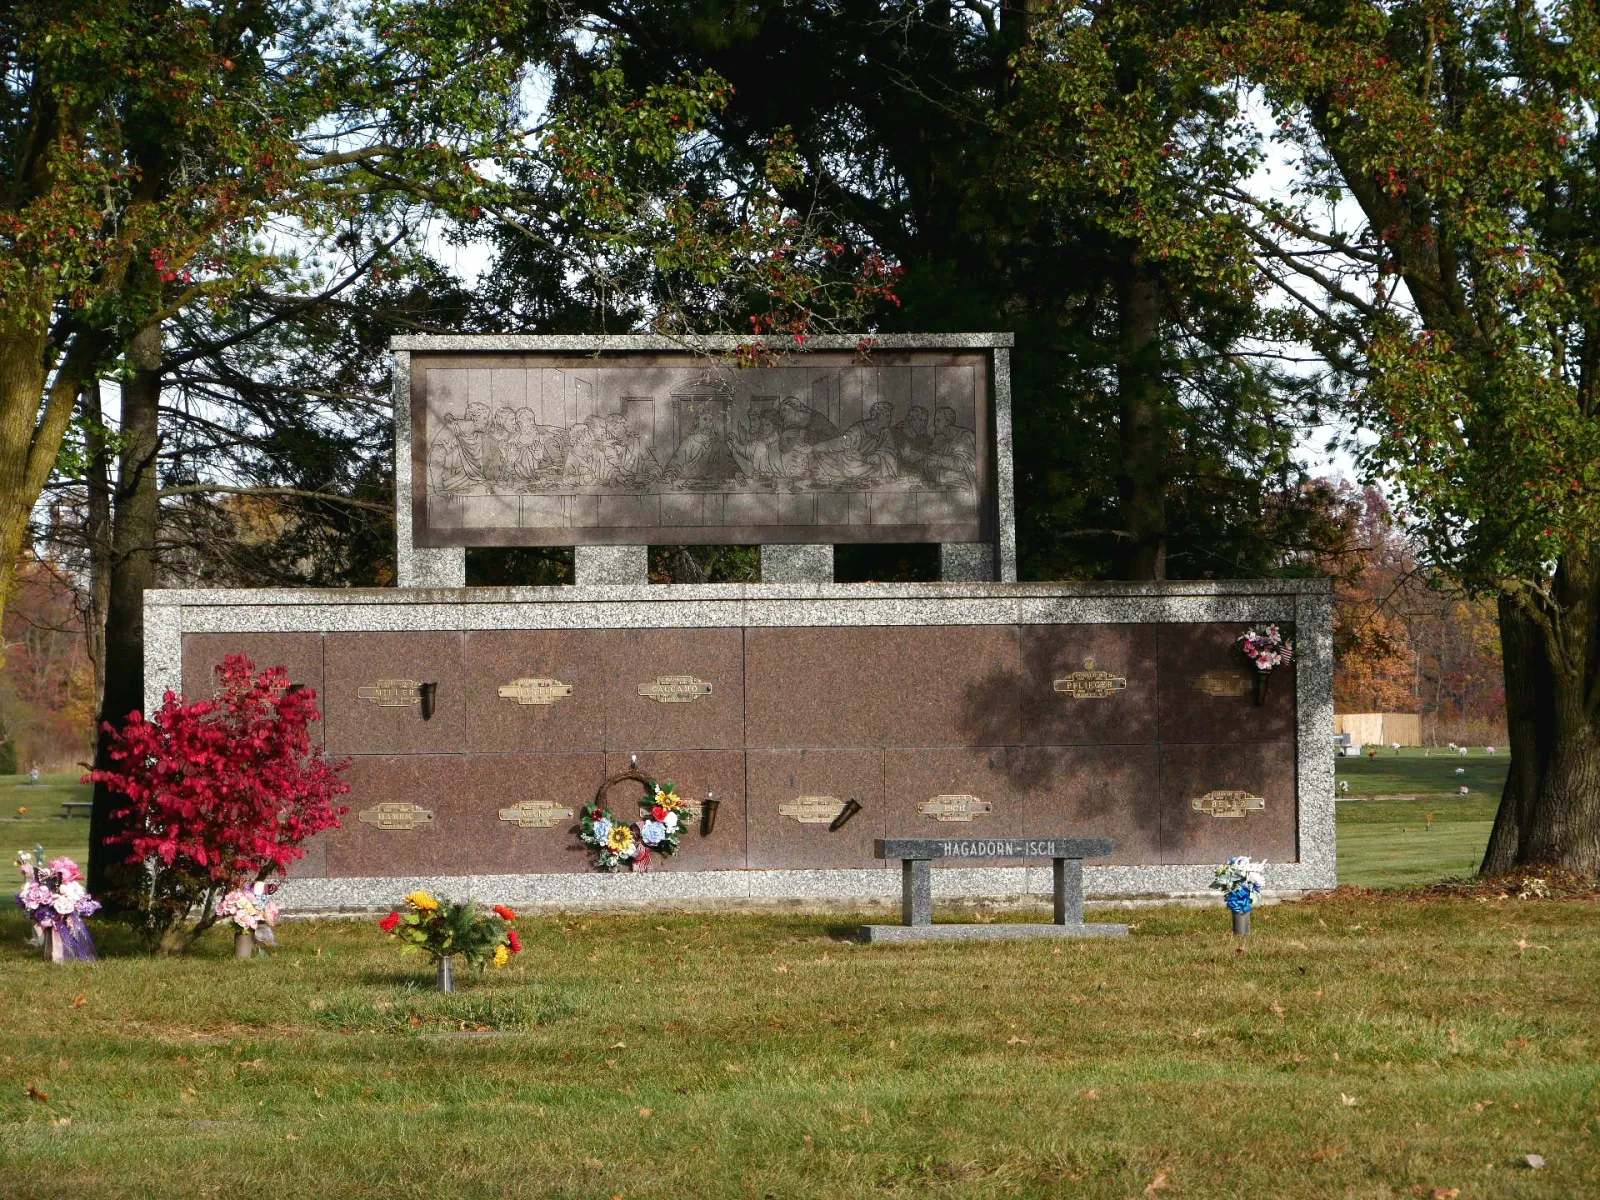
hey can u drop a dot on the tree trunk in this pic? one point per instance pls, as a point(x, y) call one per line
point(97, 533)
point(33, 420)
point(1142, 482)
point(1550, 810)
point(132, 561)
point(1529, 723)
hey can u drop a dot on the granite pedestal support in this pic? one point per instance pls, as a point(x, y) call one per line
point(797, 564)
point(968, 562)
point(416, 566)
point(601, 565)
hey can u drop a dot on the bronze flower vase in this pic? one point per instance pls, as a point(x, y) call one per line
point(244, 944)
point(447, 973)
point(1259, 685)
point(1241, 924)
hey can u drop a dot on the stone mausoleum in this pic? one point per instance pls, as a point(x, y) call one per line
point(479, 721)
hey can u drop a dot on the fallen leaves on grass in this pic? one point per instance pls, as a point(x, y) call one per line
point(36, 1095)
point(79, 1001)
point(645, 1112)
point(1159, 1183)
point(1348, 1101)
point(1444, 1194)
point(1534, 1162)
point(1016, 1041)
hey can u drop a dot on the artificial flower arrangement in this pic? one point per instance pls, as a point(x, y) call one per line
point(252, 911)
point(1240, 882)
point(1266, 648)
point(663, 813)
point(56, 901)
point(444, 929)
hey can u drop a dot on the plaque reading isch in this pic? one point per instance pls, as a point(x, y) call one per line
point(812, 810)
point(1090, 683)
point(396, 814)
point(536, 814)
point(392, 693)
point(675, 689)
point(1227, 803)
point(535, 691)
point(955, 808)
point(678, 448)
point(1225, 685)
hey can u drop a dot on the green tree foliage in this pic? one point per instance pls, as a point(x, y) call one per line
point(917, 129)
point(1465, 305)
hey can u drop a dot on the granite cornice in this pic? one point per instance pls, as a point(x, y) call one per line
point(601, 343)
point(766, 593)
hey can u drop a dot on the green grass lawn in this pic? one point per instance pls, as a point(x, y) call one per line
point(1351, 1047)
point(1414, 771)
point(1382, 843)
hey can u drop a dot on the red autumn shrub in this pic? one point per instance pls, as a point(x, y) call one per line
point(220, 791)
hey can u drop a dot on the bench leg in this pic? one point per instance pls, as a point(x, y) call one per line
point(916, 891)
point(1068, 890)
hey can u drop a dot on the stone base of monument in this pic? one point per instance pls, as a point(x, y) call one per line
point(916, 857)
point(985, 933)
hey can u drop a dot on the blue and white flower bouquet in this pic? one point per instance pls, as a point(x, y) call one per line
point(1240, 881)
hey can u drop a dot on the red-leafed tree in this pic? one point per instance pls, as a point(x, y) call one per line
point(219, 792)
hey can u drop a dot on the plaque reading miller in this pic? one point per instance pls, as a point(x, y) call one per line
point(392, 693)
point(637, 448)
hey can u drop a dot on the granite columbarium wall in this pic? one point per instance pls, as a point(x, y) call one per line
point(969, 708)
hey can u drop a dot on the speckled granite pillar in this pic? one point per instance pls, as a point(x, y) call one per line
point(610, 564)
point(967, 562)
point(796, 564)
point(916, 895)
point(415, 567)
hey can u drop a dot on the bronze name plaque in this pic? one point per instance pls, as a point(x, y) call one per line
point(551, 448)
point(1227, 803)
point(396, 814)
point(955, 808)
point(675, 689)
point(392, 693)
point(535, 691)
point(536, 814)
point(1223, 684)
point(1091, 683)
point(812, 810)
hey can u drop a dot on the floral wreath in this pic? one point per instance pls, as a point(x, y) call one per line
point(616, 844)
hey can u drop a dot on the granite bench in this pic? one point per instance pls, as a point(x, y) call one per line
point(72, 808)
point(916, 857)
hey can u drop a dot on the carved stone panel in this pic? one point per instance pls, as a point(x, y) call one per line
point(1088, 684)
point(552, 449)
point(522, 811)
point(1206, 695)
point(694, 772)
point(915, 685)
point(794, 794)
point(535, 690)
point(1094, 791)
point(1228, 778)
point(673, 689)
point(406, 818)
point(979, 788)
point(371, 701)
point(300, 653)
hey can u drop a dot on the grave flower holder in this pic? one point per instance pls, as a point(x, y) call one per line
point(447, 973)
point(1258, 686)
